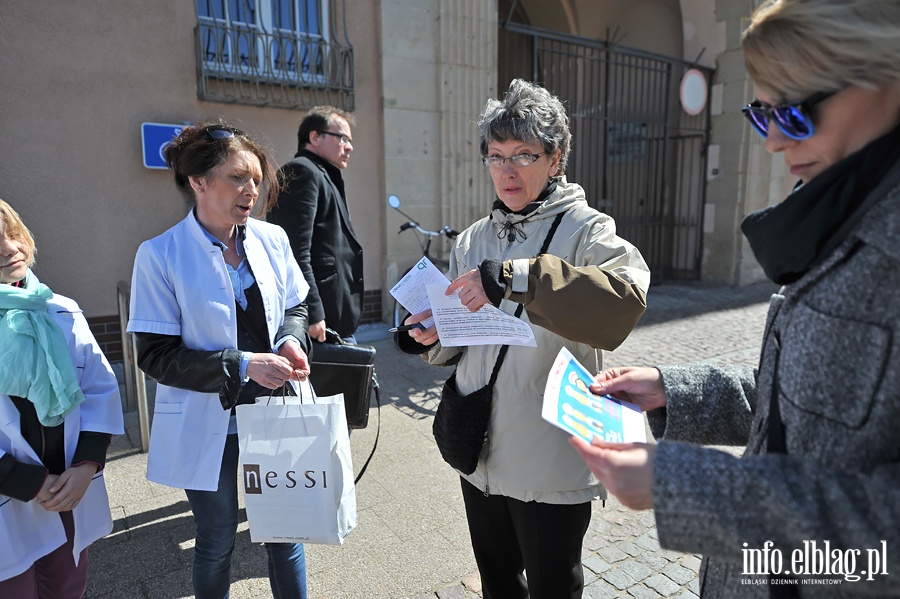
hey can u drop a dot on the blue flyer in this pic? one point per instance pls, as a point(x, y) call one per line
point(570, 405)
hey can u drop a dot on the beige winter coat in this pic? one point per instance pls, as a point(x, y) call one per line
point(594, 295)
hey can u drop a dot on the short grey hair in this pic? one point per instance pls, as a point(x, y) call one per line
point(527, 113)
point(794, 48)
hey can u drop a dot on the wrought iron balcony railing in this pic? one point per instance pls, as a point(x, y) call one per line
point(239, 63)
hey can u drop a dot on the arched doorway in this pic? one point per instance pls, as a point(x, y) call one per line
point(638, 155)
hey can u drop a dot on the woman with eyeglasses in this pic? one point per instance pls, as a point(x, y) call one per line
point(59, 408)
point(819, 416)
point(218, 315)
point(542, 247)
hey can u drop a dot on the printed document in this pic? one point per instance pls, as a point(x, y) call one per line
point(488, 326)
point(570, 405)
point(411, 291)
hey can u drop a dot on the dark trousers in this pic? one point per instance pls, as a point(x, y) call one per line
point(542, 539)
point(54, 576)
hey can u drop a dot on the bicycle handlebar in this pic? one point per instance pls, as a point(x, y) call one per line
point(445, 230)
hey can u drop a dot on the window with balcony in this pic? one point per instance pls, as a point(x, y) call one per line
point(286, 53)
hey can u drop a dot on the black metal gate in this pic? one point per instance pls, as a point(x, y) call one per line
point(639, 156)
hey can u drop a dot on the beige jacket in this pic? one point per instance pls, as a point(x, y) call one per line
point(525, 457)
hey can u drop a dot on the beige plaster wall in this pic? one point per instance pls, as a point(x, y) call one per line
point(652, 25)
point(439, 67)
point(79, 78)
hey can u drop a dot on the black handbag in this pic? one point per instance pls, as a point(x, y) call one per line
point(340, 367)
point(461, 421)
point(460, 426)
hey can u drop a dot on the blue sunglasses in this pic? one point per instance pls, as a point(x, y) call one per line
point(793, 118)
point(219, 132)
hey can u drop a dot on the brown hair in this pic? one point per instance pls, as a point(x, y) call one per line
point(12, 226)
point(194, 153)
point(318, 119)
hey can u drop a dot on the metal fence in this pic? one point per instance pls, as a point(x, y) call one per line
point(640, 158)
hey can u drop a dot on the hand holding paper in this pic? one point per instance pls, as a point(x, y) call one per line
point(569, 405)
point(488, 326)
point(410, 291)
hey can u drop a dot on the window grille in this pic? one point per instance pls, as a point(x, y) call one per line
point(284, 53)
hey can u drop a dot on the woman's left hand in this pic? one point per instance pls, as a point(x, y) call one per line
point(297, 357)
point(625, 469)
point(69, 488)
point(471, 291)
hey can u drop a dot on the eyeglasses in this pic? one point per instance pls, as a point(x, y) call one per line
point(345, 141)
point(793, 118)
point(218, 132)
point(525, 159)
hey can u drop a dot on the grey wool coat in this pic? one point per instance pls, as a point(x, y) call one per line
point(831, 357)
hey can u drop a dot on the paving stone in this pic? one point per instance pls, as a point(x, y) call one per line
point(664, 586)
point(473, 582)
point(619, 579)
point(691, 562)
point(647, 542)
point(653, 561)
point(636, 570)
point(601, 590)
point(631, 548)
point(596, 564)
point(593, 542)
point(694, 586)
point(679, 574)
point(612, 554)
point(455, 592)
point(639, 591)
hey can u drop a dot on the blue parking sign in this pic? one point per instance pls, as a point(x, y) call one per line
point(154, 137)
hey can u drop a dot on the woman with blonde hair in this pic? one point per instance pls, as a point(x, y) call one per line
point(59, 407)
point(820, 475)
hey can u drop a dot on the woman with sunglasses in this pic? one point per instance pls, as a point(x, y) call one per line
point(59, 407)
point(819, 417)
point(217, 312)
point(546, 256)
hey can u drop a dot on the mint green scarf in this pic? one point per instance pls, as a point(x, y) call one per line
point(34, 357)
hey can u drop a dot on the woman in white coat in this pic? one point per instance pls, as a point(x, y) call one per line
point(216, 305)
point(59, 407)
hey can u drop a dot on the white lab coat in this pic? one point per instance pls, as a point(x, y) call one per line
point(180, 286)
point(30, 532)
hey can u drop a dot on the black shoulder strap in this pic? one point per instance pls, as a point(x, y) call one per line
point(546, 245)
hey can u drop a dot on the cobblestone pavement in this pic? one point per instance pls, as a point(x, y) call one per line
point(412, 539)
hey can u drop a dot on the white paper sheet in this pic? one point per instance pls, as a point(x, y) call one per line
point(411, 291)
point(489, 326)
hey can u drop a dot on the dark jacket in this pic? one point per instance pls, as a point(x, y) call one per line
point(830, 357)
point(312, 208)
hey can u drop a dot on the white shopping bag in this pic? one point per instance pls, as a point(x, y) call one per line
point(296, 472)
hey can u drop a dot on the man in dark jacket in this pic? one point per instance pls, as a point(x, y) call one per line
point(312, 208)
